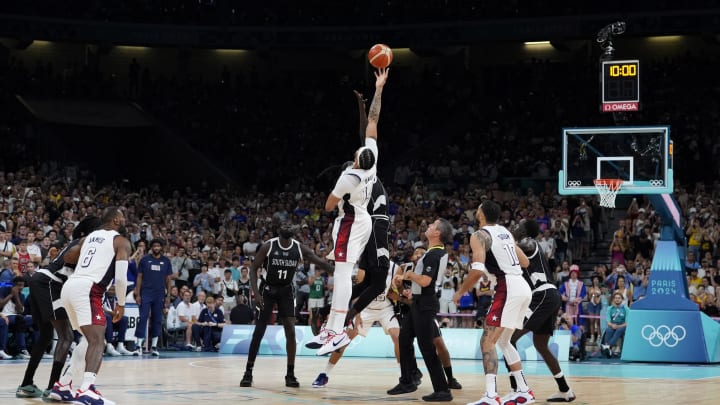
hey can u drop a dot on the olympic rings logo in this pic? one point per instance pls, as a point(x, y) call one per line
point(663, 335)
point(657, 183)
point(574, 183)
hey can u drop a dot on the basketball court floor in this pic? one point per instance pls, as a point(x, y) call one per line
point(188, 378)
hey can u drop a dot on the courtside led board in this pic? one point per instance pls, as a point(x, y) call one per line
point(620, 85)
point(640, 156)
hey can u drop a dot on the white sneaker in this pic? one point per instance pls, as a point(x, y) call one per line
point(560, 396)
point(336, 343)
point(137, 352)
point(4, 355)
point(123, 351)
point(507, 397)
point(24, 354)
point(154, 352)
point(518, 397)
point(486, 400)
point(318, 340)
point(110, 350)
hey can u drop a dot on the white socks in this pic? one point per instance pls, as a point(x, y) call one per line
point(342, 291)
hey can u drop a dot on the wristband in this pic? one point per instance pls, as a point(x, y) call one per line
point(478, 266)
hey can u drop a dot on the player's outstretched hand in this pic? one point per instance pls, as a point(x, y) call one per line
point(359, 96)
point(381, 77)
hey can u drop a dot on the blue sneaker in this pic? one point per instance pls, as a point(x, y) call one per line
point(60, 393)
point(321, 381)
point(91, 397)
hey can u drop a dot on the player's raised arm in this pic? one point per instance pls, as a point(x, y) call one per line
point(362, 116)
point(374, 115)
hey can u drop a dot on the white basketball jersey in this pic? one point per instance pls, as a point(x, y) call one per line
point(504, 257)
point(360, 196)
point(381, 301)
point(96, 257)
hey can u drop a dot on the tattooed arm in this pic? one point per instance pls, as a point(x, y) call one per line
point(374, 115)
point(479, 244)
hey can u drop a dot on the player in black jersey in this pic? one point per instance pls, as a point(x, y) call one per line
point(375, 260)
point(47, 311)
point(544, 306)
point(280, 258)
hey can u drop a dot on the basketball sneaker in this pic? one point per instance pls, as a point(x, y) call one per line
point(110, 350)
point(517, 398)
point(122, 350)
point(319, 340)
point(246, 380)
point(28, 391)
point(321, 381)
point(154, 352)
point(454, 384)
point(291, 381)
point(560, 396)
point(91, 397)
point(60, 393)
point(336, 343)
point(486, 400)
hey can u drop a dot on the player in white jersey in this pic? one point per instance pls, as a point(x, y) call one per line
point(352, 226)
point(103, 257)
point(379, 310)
point(495, 253)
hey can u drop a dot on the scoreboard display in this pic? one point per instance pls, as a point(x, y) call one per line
point(620, 85)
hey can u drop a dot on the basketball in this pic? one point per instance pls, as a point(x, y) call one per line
point(380, 56)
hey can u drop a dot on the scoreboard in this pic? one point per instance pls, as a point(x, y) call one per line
point(620, 85)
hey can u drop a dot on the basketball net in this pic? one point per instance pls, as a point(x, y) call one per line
point(608, 189)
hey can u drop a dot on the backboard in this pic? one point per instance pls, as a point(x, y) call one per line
point(640, 156)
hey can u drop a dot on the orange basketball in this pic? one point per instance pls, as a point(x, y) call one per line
point(380, 56)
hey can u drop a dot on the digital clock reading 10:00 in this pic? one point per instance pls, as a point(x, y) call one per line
point(620, 85)
point(623, 70)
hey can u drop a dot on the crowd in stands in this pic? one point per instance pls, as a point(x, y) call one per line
point(212, 236)
point(454, 138)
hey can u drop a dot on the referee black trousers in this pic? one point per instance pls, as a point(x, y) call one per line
point(420, 324)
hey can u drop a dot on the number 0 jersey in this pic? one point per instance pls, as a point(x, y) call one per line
point(502, 258)
point(97, 255)
point(281, 263)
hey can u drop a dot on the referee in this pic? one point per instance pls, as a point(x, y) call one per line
point(421, 320)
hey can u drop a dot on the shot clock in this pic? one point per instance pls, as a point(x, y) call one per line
point(620, 85)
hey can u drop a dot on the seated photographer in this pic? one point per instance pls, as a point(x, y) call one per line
point(12, 319)
point(208, 327)
point(577, 346)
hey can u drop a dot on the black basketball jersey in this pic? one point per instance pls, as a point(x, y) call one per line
point(58, 267)
point(281, 263)
point(377, 206)
point(538, 272)
point(431, 264)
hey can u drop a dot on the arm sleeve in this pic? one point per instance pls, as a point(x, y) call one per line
point(121, 268)
point(346, 184)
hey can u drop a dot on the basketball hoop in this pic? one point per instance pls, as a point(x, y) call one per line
point(608, 189)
